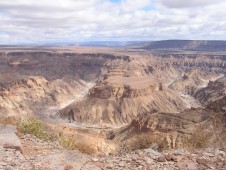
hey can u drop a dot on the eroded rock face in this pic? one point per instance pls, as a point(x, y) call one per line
point(214, 90)
point(103, 91)
point(124, 85)
point(32, 81)
point(166, 83)
point(164, 122)
point(117, 105)
point(196, 124)
point(193, 81)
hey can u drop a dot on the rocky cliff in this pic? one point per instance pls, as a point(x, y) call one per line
point(31, 82)
point(193, 127)
point(215, 90)
point(145, 83)
point(123, 85)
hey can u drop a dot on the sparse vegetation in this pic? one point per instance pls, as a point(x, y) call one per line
point(143, 141)
point(200, 139)
point(67, 142)
point(70, 143)
point(85, 148)
point(36, 128)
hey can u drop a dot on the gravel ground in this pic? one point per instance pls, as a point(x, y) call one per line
point(41, 155)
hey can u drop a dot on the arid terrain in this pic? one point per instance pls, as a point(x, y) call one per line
point(127, 107)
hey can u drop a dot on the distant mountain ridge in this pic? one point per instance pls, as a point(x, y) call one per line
point(196, 45)
point(168, 45)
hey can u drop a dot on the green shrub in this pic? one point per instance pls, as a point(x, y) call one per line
point(36, 128)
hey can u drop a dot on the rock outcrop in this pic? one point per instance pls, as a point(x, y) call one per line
point(215, 90)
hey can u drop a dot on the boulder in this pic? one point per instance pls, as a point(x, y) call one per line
point(110, 135)
point(202, 161)
point(8, 137)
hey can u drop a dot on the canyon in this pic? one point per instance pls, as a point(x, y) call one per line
point(118, 95)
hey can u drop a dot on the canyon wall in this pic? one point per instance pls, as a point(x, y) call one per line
point(31, 82)
point(145, 83)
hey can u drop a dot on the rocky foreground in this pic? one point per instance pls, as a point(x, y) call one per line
point(30, 153)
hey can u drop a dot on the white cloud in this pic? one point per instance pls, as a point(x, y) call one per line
point(32, 21)
point(188, 3)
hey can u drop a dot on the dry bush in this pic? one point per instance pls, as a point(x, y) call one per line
point(200, 139)
point(67, 142)
point(85, 148)
point(143, 141)
point(70, 143)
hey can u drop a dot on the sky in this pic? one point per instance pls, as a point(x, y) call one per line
point(56, 21)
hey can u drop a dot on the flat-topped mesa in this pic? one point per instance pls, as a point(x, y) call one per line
point(188, 45)
point(126, 87)
point(125, 91)
point(117, 100)
point(189, 60)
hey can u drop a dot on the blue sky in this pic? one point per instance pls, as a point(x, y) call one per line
point(44, 21)
point(115, 1)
